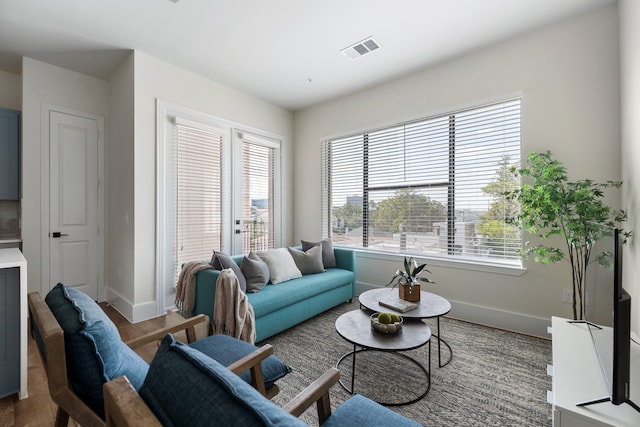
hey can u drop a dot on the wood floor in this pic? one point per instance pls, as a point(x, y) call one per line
point(38, 410)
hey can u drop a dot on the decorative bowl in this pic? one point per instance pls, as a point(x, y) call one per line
point(385, 328)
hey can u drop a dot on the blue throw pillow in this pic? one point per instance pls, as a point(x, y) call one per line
point(226, 350)
point(94, 351)
point(185, 387)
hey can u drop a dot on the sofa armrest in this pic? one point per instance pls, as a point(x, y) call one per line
point(123, 406)
point(206, 291)
point(345, 258)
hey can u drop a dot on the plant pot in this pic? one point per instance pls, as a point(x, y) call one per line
point(407, 294)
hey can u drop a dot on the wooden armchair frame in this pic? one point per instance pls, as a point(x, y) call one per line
point(125, 408)
point(46, 330)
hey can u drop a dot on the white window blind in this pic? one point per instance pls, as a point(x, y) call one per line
point(427, 187)
point(199, 195)
point(259, 166)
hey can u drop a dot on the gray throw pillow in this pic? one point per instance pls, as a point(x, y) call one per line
point(328, 257)
point(255, 271)
point(220, 261)
point(310, 261)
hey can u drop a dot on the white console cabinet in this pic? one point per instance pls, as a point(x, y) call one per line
point(13, 323)
point(577, 377)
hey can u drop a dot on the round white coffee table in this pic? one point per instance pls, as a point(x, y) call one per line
point(355, 327)
point(429, 306)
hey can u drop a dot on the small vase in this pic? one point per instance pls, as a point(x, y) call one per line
point(407, 294)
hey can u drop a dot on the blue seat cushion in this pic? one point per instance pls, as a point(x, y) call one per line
point(360, 411)
point(185, 387)
point(94, 351)
point(275, 297)
point(226, 350)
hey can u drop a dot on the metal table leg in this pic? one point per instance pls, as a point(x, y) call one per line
point(441, 341)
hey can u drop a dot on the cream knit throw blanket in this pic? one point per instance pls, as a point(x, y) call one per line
point(232, 313)
point(186, 287)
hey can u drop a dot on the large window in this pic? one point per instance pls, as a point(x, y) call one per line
point(431, 187)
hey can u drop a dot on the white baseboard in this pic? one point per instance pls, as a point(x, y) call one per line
point(132, 312)
point(502, 319)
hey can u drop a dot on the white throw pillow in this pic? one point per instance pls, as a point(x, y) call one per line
point(281, 265)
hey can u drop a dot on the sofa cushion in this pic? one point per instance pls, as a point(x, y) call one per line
point(226, 350)
point(273, 298)
point(281, 265)
point(185, 387)
point(220, 261)
point(309, 261)
point(328, 257)
point(255, 271)
point(94, 351)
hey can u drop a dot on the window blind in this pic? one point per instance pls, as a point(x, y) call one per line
point(259, 166)
point(198, 157)
point(427, 187)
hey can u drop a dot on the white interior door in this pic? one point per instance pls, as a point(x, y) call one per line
point(73, 202)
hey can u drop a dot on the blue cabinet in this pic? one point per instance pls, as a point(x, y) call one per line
point(9, 154)
point(9, 331)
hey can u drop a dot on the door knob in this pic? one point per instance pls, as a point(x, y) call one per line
point(57, 234)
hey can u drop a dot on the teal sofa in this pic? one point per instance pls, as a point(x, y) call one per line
point(279, 307)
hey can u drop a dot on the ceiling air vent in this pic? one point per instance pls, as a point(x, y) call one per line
point(361, 48)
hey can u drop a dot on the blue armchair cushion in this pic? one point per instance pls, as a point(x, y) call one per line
point(226, 350)
point(185, 387)
point(94, 351)
point(360, 411)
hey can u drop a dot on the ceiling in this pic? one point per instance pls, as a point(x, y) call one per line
point(286, 52)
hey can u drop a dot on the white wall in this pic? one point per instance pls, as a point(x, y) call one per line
point(10, 91)
point(47, 84)
point(119, 239)
point(128, 103)
point(568, 77)
point(629, 15)
point(155, 79)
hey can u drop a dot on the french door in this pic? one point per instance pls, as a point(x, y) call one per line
point(219, 189)
point(256, 210)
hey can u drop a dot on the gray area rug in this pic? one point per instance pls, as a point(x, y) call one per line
point(496, 378)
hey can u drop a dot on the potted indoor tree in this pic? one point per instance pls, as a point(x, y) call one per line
point(408, 279)
point(551, 205)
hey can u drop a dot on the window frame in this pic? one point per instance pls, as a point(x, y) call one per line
point(495, 265)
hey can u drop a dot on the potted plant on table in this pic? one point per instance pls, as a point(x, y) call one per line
point(552, 205)
point(408, 279)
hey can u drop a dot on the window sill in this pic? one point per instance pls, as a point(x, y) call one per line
point(462, 264)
